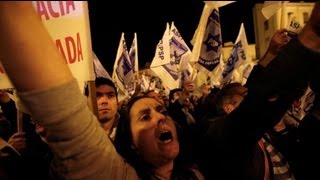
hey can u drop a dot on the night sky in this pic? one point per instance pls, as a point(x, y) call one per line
point(149, 20)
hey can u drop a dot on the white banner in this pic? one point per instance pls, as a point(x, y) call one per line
point(68, 24)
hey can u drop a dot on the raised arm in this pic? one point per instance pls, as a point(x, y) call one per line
point(27, 51)
point(279, 39)
point(45, 85)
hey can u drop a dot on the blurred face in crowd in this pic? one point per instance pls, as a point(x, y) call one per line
point(237, 98)
point(176, 96)
point(206, 89)
point(107, 103)
point(189, 86)
point(156, 96)
point(154, 135)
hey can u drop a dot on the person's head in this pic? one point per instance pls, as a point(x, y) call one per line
point(229, 98)
point(107, 99)
point(206, 89)
point(174, 95)
point(189, 86)
point(146, 136)
point(155, 95)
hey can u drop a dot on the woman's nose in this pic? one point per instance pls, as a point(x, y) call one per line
point(160, 117)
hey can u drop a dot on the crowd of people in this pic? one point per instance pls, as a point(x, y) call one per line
point(236, 132)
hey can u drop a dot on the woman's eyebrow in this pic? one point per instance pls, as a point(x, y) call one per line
point(143, 111)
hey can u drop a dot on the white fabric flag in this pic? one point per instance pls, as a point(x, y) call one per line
point(242, 73)
point(144, 83)
point(207, 41)
point(205, 15)
point(293, 26)
point(216, 76)
point(239, 55)
point(166, 70)
point(181, 53)
point(133, 54)
point(98, 68)
point(162, 54)
point(270, 8)
point(122, 69)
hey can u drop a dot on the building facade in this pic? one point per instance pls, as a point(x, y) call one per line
point(292, 13)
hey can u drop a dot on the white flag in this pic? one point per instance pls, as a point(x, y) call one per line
point(270, 8)
point(181, 53)
point(162, 54)
point(216, 76)
point(98, 68)
point(133, 54)
point(207, 39)
point(239, 55)
point(293, 26)
point(166, 70)
point(144, 83)
point(242, 73)
point(122, 69)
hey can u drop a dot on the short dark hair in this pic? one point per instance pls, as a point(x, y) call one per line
point(102, 81)
point(171, 93)
point(224, 95)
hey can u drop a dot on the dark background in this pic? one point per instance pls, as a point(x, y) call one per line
point(148, 19)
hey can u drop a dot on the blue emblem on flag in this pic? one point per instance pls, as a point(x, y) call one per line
point(213, 42)
point(177, 50)
point(230, 64)
point(172, 70)
point(132, 58)
point(211, 46)
point(123, 68)
point(233, 59)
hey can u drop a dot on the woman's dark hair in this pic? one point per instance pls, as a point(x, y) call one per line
point(123, 144)
point(123, 141)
